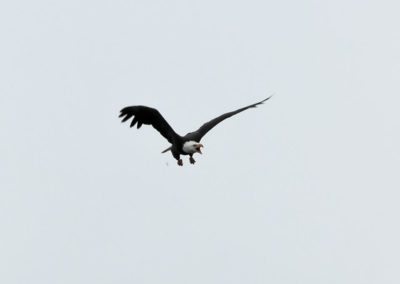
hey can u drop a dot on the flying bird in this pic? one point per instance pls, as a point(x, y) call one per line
point(180, 145)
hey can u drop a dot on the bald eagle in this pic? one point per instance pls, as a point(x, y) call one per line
point(180, 145)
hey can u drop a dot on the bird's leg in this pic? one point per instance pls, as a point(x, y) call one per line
point(192, 161)
point(177, 157)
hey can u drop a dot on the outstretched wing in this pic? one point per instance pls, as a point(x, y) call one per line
point(199, 133)
point(151, 116)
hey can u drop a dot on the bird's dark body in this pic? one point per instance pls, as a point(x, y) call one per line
point(151, 116)
point(177, 149)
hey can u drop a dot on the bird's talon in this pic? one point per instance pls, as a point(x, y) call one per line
point(180, 162)
point(192, 161)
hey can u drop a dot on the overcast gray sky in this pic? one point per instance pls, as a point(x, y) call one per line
point(303, 189)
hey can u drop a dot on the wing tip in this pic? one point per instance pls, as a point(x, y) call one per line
point(126, 113)
point(264, 100)
point(267, 98)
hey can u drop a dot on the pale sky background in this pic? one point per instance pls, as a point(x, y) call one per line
point(303, 189)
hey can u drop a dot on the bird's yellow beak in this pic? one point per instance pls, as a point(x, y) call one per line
point(199, 146)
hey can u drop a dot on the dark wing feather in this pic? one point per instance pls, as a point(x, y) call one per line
point(199, 133)
point(150, 116)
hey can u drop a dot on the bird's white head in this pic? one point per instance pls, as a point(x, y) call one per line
point(192, 147)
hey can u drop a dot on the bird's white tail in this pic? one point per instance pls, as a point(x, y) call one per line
point(166, 150)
